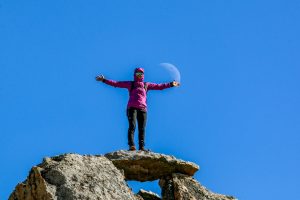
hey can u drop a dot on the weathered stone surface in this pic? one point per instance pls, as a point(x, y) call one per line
point(149, 166)
point(74, 177)
point(167, 188)
point(148, 195)
point(34, 187)
point(138, 197)
point(77, 177)
point(182, 187)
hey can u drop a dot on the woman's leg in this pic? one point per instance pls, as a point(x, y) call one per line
point(131, 115)
point(142, 119)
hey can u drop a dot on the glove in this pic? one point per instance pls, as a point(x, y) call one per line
point(175, 84)
point(100, 78)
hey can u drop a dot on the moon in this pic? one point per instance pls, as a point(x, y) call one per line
point(174, 72)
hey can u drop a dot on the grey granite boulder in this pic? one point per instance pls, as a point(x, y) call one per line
point(183, 187)
point(74, 177)
point(87, 177)
point(149, 166)
point(148, 195)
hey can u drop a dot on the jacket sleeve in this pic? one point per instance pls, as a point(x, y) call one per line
point(161, 86)
point(119, 84)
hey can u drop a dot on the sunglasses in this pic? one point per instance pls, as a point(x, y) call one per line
point(139, 73)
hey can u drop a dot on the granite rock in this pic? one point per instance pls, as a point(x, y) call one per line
point(96, 177)
point(183, 187)
point(74, 177)
point(148, 166)
point(148, 195)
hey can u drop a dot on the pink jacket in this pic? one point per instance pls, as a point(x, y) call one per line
point(138, 95)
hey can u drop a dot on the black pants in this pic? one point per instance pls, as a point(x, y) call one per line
point(134, 114)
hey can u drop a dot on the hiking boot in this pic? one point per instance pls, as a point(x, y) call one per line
point(143, 149)
point(132, 148)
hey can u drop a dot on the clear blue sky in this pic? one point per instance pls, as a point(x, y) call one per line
point(237, 113)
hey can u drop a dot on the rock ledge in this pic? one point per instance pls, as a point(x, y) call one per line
point(148, 166)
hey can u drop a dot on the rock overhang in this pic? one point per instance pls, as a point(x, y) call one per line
point(148, 166)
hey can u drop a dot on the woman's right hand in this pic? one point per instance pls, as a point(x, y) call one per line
point(100, 78)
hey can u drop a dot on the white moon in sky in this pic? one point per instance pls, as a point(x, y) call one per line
point(174, 72)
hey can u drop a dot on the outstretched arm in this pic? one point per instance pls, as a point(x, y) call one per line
point(161, 86)
point(119, 84)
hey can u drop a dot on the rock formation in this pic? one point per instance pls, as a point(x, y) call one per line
point(83, 177)
point(72, 176)
point(181, 187)
point(149, 166)
point(148, 195)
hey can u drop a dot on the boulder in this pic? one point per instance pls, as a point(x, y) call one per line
point(148, 166)
point(148, 195)
point(74, 177)
point(183, 187)
point(87, 177)
point(35, 187)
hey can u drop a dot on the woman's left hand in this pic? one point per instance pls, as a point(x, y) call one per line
point(175, 84)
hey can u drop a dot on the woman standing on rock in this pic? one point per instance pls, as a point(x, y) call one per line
point(137, 106)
